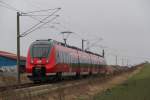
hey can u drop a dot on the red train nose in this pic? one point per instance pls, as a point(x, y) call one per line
point(40, 61)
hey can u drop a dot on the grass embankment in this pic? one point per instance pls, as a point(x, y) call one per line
point(136, 87)
point(11, 80)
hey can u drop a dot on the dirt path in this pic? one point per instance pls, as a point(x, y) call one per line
point(92, 87)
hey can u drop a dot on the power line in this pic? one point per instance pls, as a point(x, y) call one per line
point(8, 6)
point(20, 13)
point(94, 43)
point(62, 26)
point(35, 19)
point(26, 32)
point(45, 10)
point(79, 36)
point(4, 6)
point(32, 15)
point(22, 35)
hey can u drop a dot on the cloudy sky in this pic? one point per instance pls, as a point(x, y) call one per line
point(124, 26)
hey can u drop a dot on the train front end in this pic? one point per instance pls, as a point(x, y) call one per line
point(40, 60)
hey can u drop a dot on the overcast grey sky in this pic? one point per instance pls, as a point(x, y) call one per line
point(124, 25)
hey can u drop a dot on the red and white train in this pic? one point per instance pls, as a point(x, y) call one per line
point(48, 58)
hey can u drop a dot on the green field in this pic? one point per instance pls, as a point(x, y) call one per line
point(135, 88)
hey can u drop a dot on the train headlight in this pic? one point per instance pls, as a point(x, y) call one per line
point(39, 61)
point(31, 61)
point(46, 61)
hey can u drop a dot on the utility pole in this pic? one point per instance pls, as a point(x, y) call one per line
point(65, 38)
point(122, 62)
point(26, 33)
point(93, 44)
point(103, 53)
point(116, 60)
point(127, 62)
point(83, 44)
point(65, 41)
point(18, 48)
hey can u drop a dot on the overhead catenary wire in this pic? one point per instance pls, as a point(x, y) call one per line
point(19, 13)
point(68, 29)
point(36, 19)
point(22, 35)
point(68, 32)
point(93, 44)
point(28, 31)
point(45, 10)
point(75, 33)
point(32, 15)
point(60, 25)
point(8, 6)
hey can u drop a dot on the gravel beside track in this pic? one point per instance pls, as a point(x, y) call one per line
point(31, 89)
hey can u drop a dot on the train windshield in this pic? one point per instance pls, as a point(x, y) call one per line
point(40, 50)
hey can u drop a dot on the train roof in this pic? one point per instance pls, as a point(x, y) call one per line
point(65, 45)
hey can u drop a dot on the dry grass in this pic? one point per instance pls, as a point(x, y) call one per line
point(93, 86)
point(84, 91)
point(8, 80)
point(135, 88)
point(10, 94)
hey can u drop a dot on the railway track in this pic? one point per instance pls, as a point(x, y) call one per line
point(32, 85)
point(12, 87)
point(31, 89)
point(51, 83)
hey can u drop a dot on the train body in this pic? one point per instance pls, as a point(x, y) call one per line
point(48, 58)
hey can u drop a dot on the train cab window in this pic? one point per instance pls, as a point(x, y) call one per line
point(40, 50)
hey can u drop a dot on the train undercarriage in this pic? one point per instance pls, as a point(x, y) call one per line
point(40, 75)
